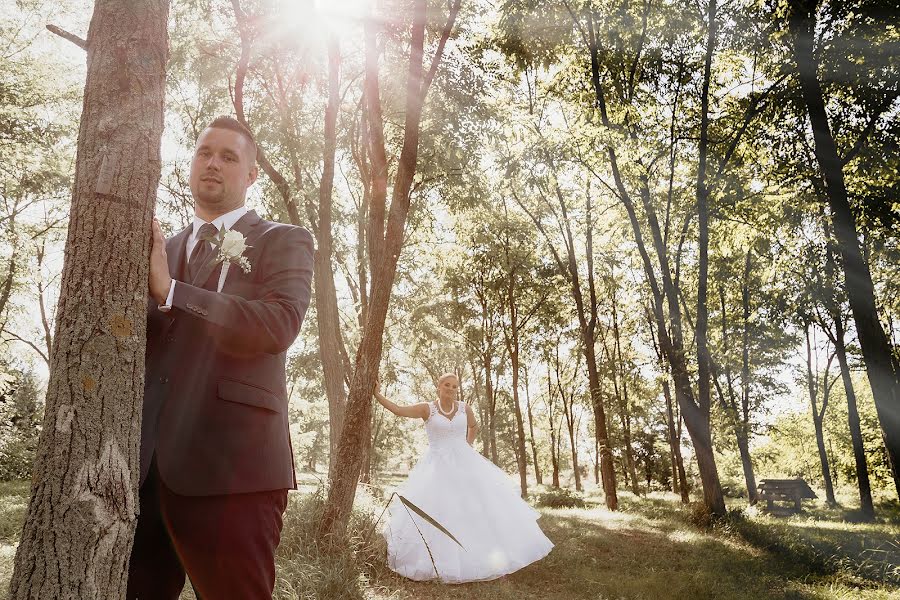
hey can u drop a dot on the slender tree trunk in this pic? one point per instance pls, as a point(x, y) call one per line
point(618, 365)
point(521, 453)
point(818, 417)
point(740, 416)
point(537, 465)
point(696, 416)
point(706, 459)
point(79, 524)
point(332, 353)
point(749, 475)
point(554, 434)
point(568, 413)
point(385, 236)
point(876, 349)
point(587, 323)
point(482, 415)
point(859, 452)
point(491, 408)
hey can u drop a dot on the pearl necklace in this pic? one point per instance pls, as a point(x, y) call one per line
point(441, 410)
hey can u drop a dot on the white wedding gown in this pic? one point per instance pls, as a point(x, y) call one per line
point(471, 498)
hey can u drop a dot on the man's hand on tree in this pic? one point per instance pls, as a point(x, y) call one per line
point(160, 281)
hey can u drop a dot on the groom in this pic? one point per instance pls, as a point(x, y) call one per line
point(216, 459)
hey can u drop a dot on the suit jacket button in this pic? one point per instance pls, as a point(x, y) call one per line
point(164, 380)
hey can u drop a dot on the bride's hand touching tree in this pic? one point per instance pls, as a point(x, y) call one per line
point(413, 411)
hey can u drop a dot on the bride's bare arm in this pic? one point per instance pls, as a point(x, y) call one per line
point(413, 411)
point(473, 425)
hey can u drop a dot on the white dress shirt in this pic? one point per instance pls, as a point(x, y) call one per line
point(226, 222)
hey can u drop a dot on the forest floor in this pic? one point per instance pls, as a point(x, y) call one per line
point(652, 548)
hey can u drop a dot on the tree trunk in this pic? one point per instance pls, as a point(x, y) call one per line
point(554, 434)
point(513, 343)
point(859, 452)
point(385, 238)
point(705, 458)
point(818, 417)
point(876, 348)
point(537, 465)
point(80, 521)
point(618, 363)
point(744, 441)
point(587, 325)
point(696, 417)
point(482, 418)
point(332, 353)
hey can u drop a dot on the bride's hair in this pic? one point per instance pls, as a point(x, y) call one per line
point(445, 376)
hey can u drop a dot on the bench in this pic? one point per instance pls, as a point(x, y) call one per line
point(793, 490)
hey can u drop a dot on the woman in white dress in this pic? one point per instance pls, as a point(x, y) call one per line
point(464, 492)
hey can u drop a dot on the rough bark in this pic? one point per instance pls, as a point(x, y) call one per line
point(80, 521)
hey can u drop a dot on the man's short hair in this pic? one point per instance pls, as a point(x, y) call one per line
point(226, 122)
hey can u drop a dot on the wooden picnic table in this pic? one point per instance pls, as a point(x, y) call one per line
point(794, 490)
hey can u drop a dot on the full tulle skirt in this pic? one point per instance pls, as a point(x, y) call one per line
point(477, 503)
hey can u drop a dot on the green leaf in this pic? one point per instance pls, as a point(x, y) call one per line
point(428, 518)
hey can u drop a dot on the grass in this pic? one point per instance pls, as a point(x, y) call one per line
point(649, 549)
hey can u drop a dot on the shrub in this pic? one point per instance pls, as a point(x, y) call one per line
point(561, 498)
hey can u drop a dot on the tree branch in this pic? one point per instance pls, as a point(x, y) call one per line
point(67, 36)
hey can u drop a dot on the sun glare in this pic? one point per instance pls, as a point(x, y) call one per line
point(318, 17)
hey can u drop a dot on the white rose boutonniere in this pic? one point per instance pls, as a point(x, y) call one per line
point(231, 245)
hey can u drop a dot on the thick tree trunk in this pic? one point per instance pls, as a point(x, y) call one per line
point(80, 521)
point(876, 349)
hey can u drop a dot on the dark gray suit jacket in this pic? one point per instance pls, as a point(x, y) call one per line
point(215, 400)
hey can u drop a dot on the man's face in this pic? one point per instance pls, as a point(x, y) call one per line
point(222, 169)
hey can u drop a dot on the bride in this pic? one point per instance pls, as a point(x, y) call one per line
point(464, 492)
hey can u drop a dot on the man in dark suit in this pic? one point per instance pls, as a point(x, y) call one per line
point(216, 459)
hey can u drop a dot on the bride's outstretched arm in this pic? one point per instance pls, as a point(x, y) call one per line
point(414, 411)
point(473, 425)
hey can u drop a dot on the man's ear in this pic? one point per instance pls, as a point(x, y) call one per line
point(254, 173)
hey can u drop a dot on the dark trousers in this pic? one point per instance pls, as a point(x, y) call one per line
point(225, 544)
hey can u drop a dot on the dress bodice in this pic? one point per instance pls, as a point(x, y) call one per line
point(445, 432)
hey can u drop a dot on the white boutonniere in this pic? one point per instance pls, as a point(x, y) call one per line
point(231, 245)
